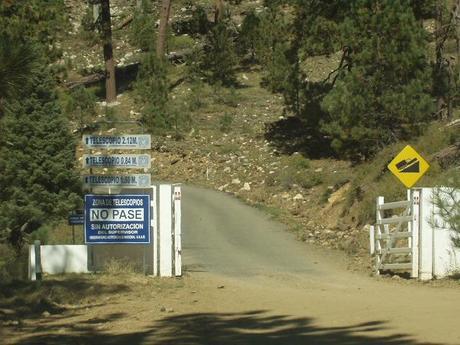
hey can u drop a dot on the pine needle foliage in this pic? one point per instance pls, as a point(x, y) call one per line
point(37, 156)
point(386, 96)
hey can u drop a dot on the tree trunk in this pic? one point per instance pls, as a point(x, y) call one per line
point(164, 17)
point(106, 31)
point(96, 12)
point(219, 10)
point(439, 35)
point(457, 28)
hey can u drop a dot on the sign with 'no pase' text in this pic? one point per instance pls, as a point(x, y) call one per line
point(117, 218)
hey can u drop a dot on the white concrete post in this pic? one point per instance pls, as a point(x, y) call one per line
point(372, 240)
point(414, 228)
point(154, 226)
point(177, 197)
point(425, 234)
point(378, 217)
point(165, 231)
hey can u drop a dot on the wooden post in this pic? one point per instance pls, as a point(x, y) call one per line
point(38, 261)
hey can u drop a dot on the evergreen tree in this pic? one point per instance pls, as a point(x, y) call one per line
point(18, 63)
point(248, 34)
point(152, 90)
point(273, 45)
point(219, 56)
point(37, 157)
point(385, 97)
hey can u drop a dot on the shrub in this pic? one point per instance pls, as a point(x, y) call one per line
point(225, 122)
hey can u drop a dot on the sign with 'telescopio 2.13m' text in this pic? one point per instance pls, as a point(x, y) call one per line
point(117, 218)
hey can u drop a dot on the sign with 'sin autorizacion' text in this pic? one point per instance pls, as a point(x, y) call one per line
point(117, 218)
point(127, 141)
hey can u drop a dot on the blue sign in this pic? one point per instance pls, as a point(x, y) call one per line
point(76, 219)
point(118, 218)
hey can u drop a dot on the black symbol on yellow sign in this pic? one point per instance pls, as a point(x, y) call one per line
point(409, 166)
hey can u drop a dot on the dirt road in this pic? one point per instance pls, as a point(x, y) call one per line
point(248, 281)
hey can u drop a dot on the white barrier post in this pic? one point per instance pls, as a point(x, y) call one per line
point(372, 240)
point(153, 224)
point(423, 197)
point(414, 228)
point(177, 196)
point(165, 230)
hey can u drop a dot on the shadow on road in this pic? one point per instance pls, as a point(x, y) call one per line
point(27, 299)
point(255, 328)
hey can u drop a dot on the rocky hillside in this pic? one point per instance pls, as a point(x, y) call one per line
point(241, 141)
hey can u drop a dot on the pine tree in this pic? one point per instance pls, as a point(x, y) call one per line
point(37, 157)
point(220, 57)
point(152, 91)
point(272, 46)
point(386, 96)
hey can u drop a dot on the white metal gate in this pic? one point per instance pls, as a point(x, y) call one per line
point(394, 238)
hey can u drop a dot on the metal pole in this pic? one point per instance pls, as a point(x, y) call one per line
point(73, 229)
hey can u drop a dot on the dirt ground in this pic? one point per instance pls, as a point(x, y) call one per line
point(204, 308)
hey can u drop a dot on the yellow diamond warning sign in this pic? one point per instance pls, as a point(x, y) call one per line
point(408, 166)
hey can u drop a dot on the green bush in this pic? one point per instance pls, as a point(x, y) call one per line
point(225, 122)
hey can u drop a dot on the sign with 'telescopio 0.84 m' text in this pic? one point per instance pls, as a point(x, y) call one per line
point(117, 218)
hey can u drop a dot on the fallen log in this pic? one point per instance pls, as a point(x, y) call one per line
point(92, 79)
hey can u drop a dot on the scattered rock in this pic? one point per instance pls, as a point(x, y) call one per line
point(227, 169)
point(221, 286)
point(339, 195)
point(11, 323)
point(298, 197)
point(162, 309)
point(236, 181)
point(246, 187)
point(46, 314)
point(222, 188)
point(285, 195)
point(170, 310)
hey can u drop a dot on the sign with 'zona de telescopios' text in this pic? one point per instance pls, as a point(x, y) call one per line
point(117, 218)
